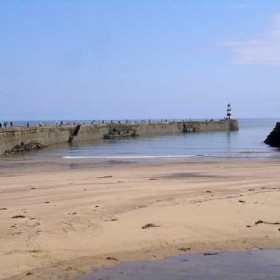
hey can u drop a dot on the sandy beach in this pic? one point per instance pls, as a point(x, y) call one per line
point(63, 220)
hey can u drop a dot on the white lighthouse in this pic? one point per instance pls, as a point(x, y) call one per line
point(228, 111)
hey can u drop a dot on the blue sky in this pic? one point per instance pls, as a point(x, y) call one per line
point(65, 59)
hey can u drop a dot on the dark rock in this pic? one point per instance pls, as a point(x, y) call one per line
point(273, 139)
point(25, 147)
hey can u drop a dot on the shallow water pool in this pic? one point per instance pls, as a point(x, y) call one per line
point(257, 265)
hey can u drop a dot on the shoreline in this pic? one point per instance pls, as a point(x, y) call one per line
point(75, 218)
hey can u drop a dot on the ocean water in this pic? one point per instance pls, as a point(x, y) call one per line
point(257, 265)
point(245, 143)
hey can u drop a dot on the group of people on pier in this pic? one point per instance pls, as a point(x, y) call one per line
point(6, 124)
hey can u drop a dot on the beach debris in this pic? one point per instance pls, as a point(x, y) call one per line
point(46, 202)
point(111, 220)
point(33, 188)
point(210, 254)
point(34, 251)
point(29, 273)
point(208, 192)
point(267, 223)
point(104, 177)
point(184, 249)
point(112, 259)
point(250, 190)
point(242, 201)
point(248, 226)
point(72, 213)
point(69, 268)
point(16, 233)
point(18, 217)
point(150, 225)
point(3, 208)
point(153, 179)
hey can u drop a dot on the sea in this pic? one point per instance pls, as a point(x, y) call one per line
point(245, 143)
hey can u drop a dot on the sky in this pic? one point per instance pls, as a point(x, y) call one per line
point(91, 59)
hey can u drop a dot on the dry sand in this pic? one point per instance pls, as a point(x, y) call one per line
point(61, 223)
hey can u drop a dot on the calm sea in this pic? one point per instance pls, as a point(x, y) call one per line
point(245, 143)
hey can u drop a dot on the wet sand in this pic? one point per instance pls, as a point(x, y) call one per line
point(62, 220)
point(256, 265)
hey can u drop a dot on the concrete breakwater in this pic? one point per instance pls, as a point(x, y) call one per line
point(51, 135)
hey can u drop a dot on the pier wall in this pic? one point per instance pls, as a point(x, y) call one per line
point(51, 135)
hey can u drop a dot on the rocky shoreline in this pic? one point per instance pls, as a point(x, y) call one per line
point(25, 147)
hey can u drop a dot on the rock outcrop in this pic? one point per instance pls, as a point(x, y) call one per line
point(273, 139)
point(32, 146)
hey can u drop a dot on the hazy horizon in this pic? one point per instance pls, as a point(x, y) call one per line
point(84, 60)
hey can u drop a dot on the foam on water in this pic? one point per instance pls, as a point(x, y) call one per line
point(129, 157)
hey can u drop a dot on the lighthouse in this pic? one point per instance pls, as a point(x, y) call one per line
point(228, 111)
